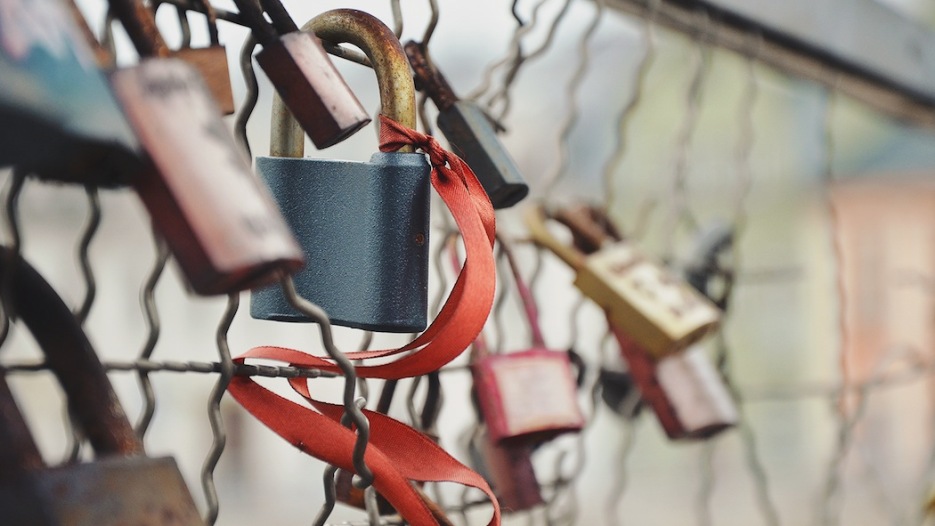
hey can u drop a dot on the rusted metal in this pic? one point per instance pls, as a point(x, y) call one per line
point(377, 41)
point(429, 79)
point(140, 26)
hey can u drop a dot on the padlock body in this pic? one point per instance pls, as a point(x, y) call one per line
point(509, 471)
point(211, 62)
point(473, 138)
point(364, 228)
point(684, 390)
point(117, 491)
point(216, 216)
point(312, 88)
point(527, 397)
point(58, 117)
point(657, 309)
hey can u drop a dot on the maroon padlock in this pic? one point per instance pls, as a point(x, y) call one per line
point(509, 471)
point(530, 396)
point(219, 220)
point(683, 389)
point(303, 75)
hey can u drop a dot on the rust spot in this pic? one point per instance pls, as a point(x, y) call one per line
point(420, 239)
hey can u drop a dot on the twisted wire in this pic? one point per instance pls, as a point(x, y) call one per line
point(680, 211)
point(84, 258)
point(571, 94)
point(617, 156)
point(214, 410)
point(153, 326)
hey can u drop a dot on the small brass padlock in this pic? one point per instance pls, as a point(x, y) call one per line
point(121, 486)
point(219, 220)
point(684, 390)
point(58, 117)
point(303, 75)
point(652, 305)
point(363, 226)
point(210, 61)
point(470, 133)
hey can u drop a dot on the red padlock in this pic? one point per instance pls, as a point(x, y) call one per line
point(530, 396)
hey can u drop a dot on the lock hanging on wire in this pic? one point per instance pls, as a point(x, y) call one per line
point(121, 486)
point(530, 396)
point(215, 215)
point(303, 75)
point(652, 305)
point(364, 227)
point(210, 61)
point(471, 134)
point(58, 117)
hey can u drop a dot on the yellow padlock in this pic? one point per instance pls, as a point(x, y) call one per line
point(653, 306)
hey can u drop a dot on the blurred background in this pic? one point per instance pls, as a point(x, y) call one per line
point(828, 339)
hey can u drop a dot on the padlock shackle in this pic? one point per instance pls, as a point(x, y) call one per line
point(200, 6)
point(530, 309)
point(535, 218)
point(429, 79)
point(140, 25)
point(379, 43)
point(590, 226)
point(69, 354)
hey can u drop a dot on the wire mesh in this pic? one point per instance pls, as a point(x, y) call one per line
point(576, 472)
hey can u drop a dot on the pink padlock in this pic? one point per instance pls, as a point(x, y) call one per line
point(530, 396)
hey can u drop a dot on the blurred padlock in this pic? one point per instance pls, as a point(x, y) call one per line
point(684, 390)
point(58, 117)
point(210, 61)
point(364, 226)
point(122, 486)
point(303, 75)
point(530, 396)
point(471, 134)
point(656, 308)
point(509, 471)
point(217, 218)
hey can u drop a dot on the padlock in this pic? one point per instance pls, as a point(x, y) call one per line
point(684, 390)
point(121, 486)
point(652, 305)
point(303, 75)
point(58, 117)
point(364, 226)
point(525, 397)
point(509, 471)
point(210, 61)
point(215, 215)
point(470, 133)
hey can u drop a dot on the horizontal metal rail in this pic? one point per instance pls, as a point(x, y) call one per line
point(860, 47)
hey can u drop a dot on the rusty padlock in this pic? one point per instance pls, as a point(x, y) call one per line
point(303, 75)
point(216, 216)
point(470, 133)
point(530, 396)
point(58, 117)
point(364, 225)
point(121, 486)
point(651, 304)
point(210, 61)
point(509, 471)
point(684, 390)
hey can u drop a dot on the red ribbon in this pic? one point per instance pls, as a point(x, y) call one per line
point(397, 453)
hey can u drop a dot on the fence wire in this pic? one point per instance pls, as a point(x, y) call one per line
point(428, 398)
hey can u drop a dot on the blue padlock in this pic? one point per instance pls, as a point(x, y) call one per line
point(364, 227)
